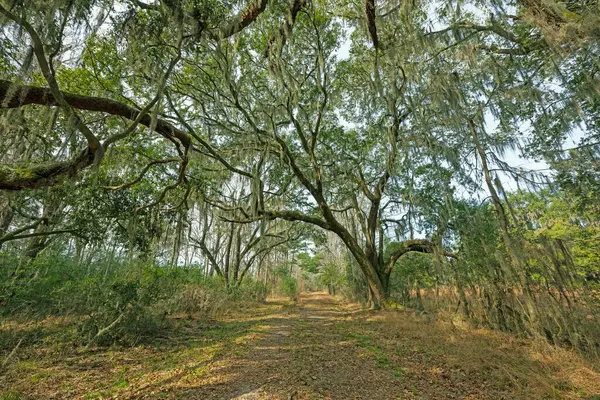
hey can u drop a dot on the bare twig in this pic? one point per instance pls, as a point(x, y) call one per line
point(12, 353)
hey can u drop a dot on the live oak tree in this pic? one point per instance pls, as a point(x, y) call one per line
point(366, 120)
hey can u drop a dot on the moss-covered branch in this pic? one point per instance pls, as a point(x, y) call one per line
point(46, 174)
point(395, 250)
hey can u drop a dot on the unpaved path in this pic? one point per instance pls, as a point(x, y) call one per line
point(303, 354)
point(315, 349)
point(324, 350)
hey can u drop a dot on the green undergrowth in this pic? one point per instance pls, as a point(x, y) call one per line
point(56, 304)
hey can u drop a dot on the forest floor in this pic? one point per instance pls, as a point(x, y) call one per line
point(317, 348)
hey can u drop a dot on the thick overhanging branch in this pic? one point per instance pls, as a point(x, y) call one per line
point(13, 96)
point(297, 216)
point(242, 20)
point(396, 250)
point(48, 174)
point(286, 215)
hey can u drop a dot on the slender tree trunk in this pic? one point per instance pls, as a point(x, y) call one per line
point(110, 260)
point(228, 254)
point(50, 216)
point(177, 240)
point(238, 255)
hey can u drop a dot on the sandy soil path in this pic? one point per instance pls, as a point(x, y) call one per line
point(324, 350)
point(315, 349)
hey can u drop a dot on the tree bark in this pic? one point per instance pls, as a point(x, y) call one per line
point(14, 96)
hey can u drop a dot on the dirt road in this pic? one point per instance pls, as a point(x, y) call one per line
point(315, 349)
point(323, 350)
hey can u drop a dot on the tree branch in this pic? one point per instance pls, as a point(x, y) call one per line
point(396, 250)
point(141, 175)
point(37, 234)
point(94, 144)
point(242, 20)
point(370, 13)
point(14, 96)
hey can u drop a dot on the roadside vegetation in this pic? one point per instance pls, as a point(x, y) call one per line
point(168, 166)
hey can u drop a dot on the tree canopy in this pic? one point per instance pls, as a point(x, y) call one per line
point(219, 133)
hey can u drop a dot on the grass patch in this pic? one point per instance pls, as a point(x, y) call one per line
point(183, 356)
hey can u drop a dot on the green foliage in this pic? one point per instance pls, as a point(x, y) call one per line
point(308, 263)
point(554, 221)
point(413, 269)
point(139, 297)
point(253, 290)
point(331, 274)
point(297, 119)
point(132, 303)
point(45, 286)
point(286, 284)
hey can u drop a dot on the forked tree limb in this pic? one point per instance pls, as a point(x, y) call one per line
point(94, 145)
point(143, 173)
point(14, 96)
